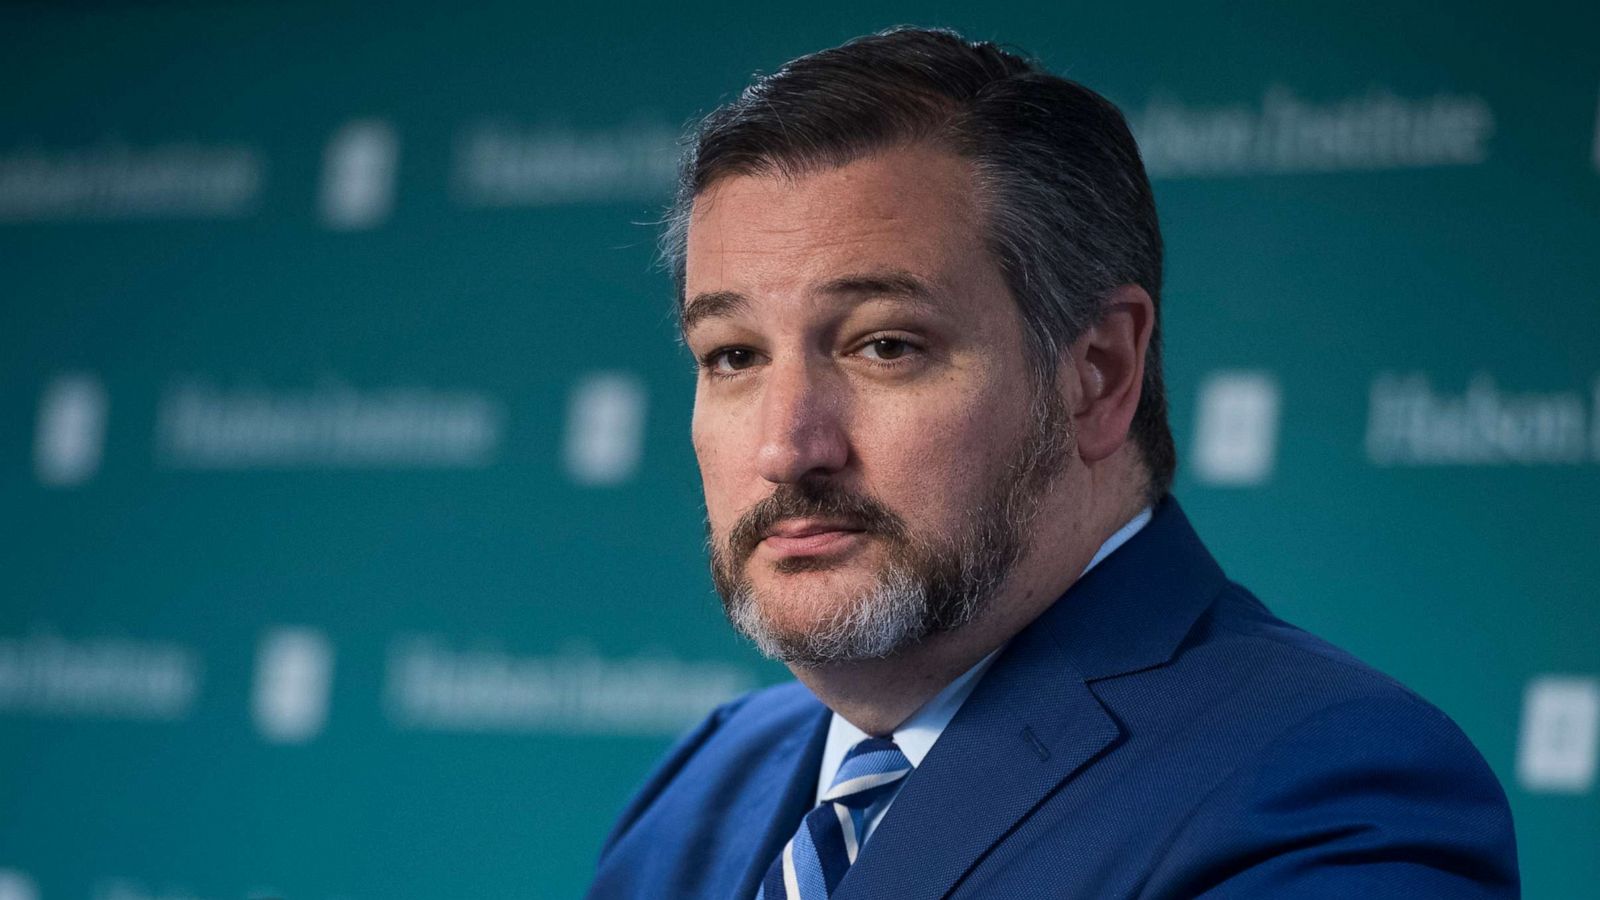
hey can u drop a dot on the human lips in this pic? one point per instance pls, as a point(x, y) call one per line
point(810, 537)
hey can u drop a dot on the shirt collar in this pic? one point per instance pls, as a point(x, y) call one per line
point(1119, 538)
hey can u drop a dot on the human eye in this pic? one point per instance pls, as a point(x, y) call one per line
point(888, 348)
point(725, 362)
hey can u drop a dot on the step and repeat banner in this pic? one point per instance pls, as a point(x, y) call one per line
point(352, 540)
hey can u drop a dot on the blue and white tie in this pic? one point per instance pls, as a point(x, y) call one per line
point(814, 861)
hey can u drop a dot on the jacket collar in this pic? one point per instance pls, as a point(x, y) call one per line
point(1032, 723)
point(1133, 609)
point(781, 809)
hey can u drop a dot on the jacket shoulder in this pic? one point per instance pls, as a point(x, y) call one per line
point(1301, 665)
point(760, 715)
point(1332, 777)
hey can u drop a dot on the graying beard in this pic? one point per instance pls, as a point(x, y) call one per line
point(902, 608)
point(888, 618)
point(906, 605)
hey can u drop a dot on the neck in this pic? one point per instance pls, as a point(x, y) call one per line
point(878, 695)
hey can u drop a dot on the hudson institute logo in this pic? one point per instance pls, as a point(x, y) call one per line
point(331, 425)
point(430, 685)
point(605, 428)
point(500, 163)
point(70, 433)
point(1560, 734)
point(294, 679)
point(1412, 423)
point(113, 180)
point(44, 673)
point(1285, 132)
point(359, 169)
point(15, 885)
point(1236, 430)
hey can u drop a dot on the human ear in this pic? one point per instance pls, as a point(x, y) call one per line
point(1108, 360)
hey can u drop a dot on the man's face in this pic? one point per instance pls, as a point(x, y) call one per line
point(870, 440)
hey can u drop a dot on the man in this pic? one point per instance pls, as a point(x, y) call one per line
point(921, 280)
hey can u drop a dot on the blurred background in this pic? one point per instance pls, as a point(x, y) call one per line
point(352, 536)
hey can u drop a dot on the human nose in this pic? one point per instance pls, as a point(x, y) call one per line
point(801, 430)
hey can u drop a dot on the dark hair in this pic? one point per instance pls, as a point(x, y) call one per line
point(1070, 215)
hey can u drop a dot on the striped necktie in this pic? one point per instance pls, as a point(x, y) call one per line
point(814, 861)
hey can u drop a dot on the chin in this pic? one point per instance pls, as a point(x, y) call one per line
point(821, 618)
point(806, 602)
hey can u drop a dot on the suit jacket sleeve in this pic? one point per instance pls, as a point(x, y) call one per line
point(1375, 798)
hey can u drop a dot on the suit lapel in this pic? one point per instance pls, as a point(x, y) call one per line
point(1032, 722)
point(775, 814)
point(1029, 725)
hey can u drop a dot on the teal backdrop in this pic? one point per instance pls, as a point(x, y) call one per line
point(352, 541)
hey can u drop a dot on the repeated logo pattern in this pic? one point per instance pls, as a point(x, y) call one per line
point(292, 683)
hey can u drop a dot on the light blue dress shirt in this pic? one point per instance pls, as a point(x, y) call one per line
point(917, 735)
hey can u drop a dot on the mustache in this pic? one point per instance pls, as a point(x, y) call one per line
point(812, 500)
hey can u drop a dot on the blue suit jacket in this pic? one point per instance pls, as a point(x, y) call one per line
point(1156, 734)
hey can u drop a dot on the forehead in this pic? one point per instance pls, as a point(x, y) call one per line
point(908, 209)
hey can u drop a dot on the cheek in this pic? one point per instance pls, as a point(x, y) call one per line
point(720, 458)
point(933, 456)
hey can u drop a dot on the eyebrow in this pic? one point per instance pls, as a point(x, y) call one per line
point(894, 284)
point(714, 305)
